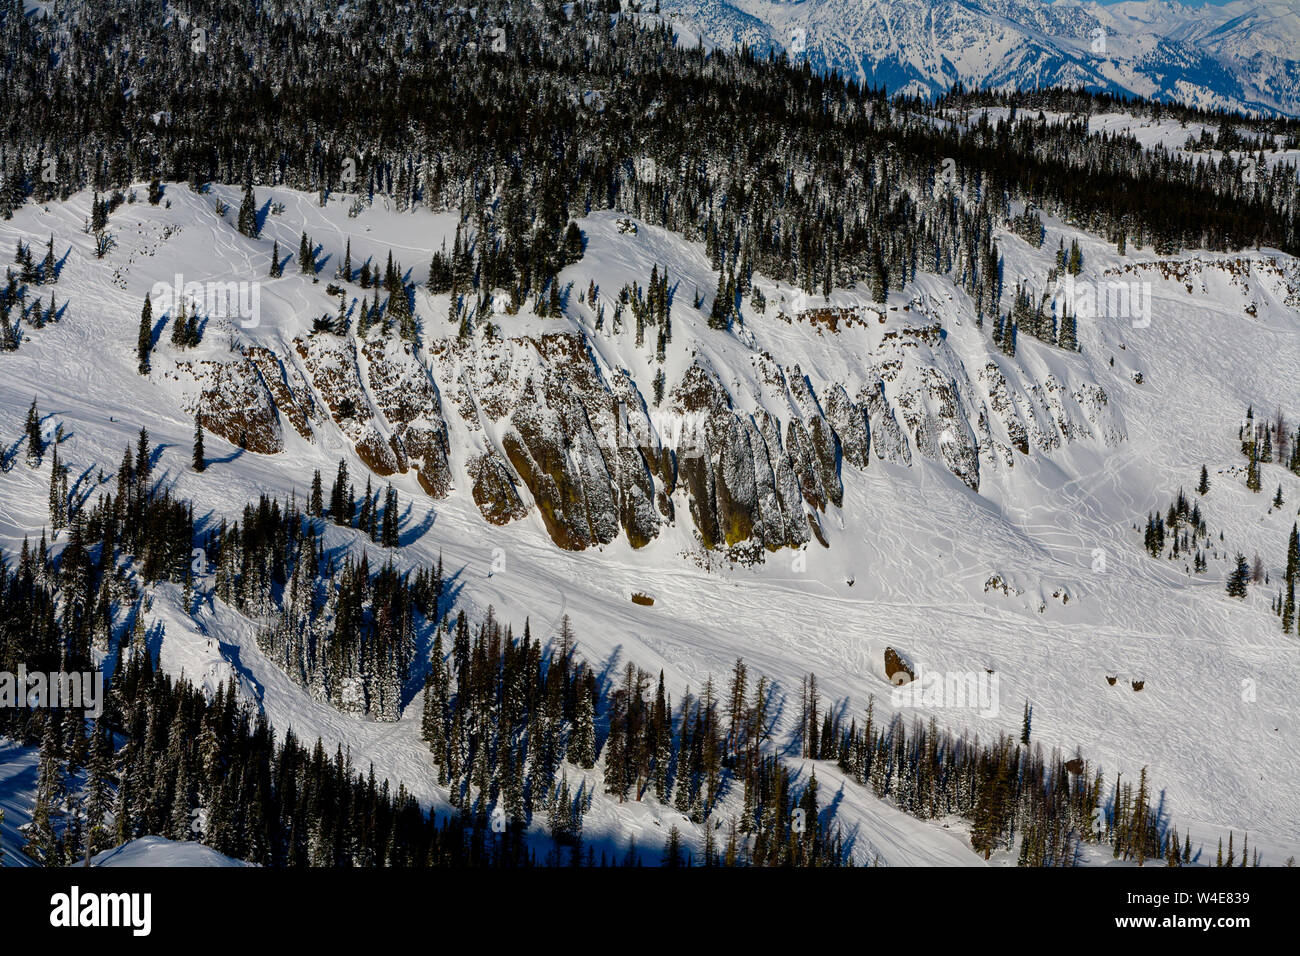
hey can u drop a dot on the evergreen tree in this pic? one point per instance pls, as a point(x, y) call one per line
point(49, 269)
point(179, 337)
point(673, 848)
point(1239, 578)
point(720, 313)
point(35, 440)
point(315, 506)
point(200, 463)
point(58, 493)
point(389, 533)
point(144, 342)
point(306, 260)
point(341, 497)
point(248, 213)
point(583, 746)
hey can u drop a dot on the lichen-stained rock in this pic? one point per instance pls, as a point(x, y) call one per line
point(826, 448)
point(697, 477)
point(405, 394)
point(850, 423)
point(290, 391)
point(769, 516)
point(553, 449)
point(494, 489)
point(815, 441)
point(756, 453)
point(734, 487)
point(582, 444)
point(331, 361)
point(741, 481)
point(704, 406)
point(234, 402)
point(886, 435)
point(636, 493)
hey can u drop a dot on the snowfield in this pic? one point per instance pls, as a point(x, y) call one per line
point(911, 549)
point(157, 851)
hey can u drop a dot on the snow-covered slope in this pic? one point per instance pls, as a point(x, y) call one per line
point(951, 464)
point(157, 851)
point(1243, 55)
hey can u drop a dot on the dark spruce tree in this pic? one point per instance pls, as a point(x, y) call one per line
point(144, 341)
point(1239, 577)
point(200, 462)
point(247, 222)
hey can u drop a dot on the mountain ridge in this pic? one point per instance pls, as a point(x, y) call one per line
point(1244, 56)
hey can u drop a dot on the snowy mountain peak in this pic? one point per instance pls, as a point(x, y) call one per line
point(1242, 56)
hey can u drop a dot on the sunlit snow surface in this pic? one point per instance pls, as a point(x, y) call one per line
point(918, 544)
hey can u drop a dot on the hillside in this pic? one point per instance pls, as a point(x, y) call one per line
point(929, 462)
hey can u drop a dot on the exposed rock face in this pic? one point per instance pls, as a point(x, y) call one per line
point(331, 362)
point(756, 459)
point(576, 439)
point(898, 670)
point(234, 402)
point(1043, 416)
point(849, 420)
point(933, 414)
point(1003, 407)
point(384, 401)
point(742, 481)
point(292, 394)
point(886, 434)
point(404, 393)
point(553, 448)
point(494, 489)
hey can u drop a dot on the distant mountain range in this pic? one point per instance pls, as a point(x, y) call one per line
point(1242, 56)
